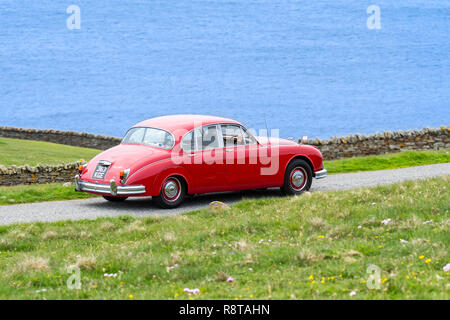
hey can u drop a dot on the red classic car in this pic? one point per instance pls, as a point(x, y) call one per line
point(170, 157)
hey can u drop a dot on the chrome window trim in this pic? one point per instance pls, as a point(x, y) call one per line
point(243, 129)
point(219, 131)
point(251, 135)
point(196, 148)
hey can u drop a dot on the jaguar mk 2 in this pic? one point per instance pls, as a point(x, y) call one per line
point(171, 157)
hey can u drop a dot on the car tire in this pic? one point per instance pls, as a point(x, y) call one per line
point(297, 178)
point(115, 199)
point(172, 193)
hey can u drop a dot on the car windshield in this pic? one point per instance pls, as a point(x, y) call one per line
point(149, 136)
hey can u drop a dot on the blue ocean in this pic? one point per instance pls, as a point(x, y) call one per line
point(310, 68)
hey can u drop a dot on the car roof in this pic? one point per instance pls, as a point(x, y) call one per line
point(182, 121)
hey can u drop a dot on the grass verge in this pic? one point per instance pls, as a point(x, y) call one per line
point(39, 193)
point(20, 152)
point(402, 159)
point(315, 246)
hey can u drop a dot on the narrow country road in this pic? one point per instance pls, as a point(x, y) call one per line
point(98, 207)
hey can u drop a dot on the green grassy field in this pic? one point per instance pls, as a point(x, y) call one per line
point(20, 152)
point(315, 246)
point(402, 159)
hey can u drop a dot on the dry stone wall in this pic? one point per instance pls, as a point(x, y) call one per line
point(334, 148)
point(71, 138)
point(387, 142)
point(19, 175)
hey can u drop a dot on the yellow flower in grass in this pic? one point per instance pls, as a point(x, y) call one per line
point(421, 257)
point(311, 277)
point(130, 296)
point(428, 261)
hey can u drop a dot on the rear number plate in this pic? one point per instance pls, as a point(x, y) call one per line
point(100, 172)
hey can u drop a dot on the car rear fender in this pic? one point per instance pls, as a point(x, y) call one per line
point(168, 172)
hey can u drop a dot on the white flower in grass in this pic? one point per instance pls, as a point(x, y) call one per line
point(359, 227)
point(403, 241)
point(386, 221)
point(446, 267)
point(353, 293)
point(230, 279)
point(427, 222)
point(110, 275)
point(192, 291)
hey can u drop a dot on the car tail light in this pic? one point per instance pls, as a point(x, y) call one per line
point(124, 175)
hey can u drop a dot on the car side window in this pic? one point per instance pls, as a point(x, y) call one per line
point(210, 137)
point(248, 138)
point(232, 135)
point(188, 142)
point(192, 141)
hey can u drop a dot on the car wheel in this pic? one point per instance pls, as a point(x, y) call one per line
point(298, 178)
point(115, 199)
point(172, 194)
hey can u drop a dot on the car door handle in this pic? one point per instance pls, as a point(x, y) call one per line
point(229, 150)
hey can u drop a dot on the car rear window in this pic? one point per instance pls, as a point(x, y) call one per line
point(149, 136)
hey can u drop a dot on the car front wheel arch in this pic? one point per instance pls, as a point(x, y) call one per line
point(297, 177)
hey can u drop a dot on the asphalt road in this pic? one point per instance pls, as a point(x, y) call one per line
point(142, 207)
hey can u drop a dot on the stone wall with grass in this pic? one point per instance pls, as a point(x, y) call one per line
point(387, 142)
point(19, 175)
point(71, 138)
point(334, 148)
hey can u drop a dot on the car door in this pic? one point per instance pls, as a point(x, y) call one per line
point(241, 158)
point(204, 159)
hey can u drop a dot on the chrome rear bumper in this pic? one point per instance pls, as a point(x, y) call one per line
point(320, 174)
point(112, 188)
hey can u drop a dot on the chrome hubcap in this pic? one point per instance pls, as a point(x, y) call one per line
point(171, 189)
point(297, 179)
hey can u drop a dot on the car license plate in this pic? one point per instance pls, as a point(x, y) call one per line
point(100, 172)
